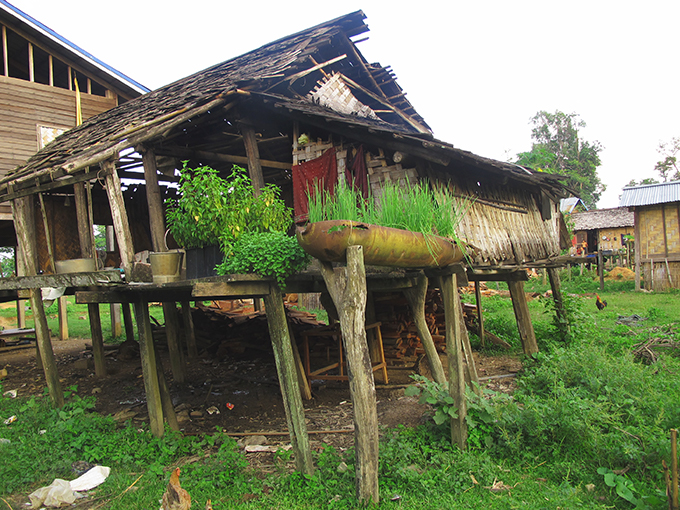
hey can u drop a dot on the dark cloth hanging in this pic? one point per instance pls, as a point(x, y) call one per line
point(356, 173)
point(322, 170)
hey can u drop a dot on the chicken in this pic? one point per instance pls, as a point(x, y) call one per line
point(208, 505)
point(600, 303)
point(175, 498)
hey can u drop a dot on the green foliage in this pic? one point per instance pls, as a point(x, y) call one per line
point(272, 254)
point(625, 488)
point(414, 207)
point(435, 394)
point(211, 210)
point(667, 167)
point(557, 148)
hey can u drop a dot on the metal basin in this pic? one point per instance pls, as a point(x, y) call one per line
point(75, 266)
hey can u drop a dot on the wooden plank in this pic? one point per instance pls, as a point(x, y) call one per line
point(348, 290)
point(253, 154)
point(288, 380)
point(63, 318)
point(120, 218)
point(172, 336)
point(205, 290)
point(95, 278)
point(154, 201)
point(189, 333)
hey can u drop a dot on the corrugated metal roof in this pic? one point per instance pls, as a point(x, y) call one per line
point(65, 43)
point(567, 205)
point(651, 194)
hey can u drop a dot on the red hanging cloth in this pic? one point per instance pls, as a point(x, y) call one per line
point(322, 170)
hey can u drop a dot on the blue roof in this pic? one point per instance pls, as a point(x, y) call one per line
point(34, 23)
point(651, 194)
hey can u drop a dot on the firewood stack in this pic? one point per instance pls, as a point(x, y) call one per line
point(400, 337)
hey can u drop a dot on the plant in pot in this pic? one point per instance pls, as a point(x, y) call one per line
point(217, 213)
point(407, 226)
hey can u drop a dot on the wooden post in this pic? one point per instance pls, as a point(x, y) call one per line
point(416, 300)
point(471, 377)
point(20, 271)
point(303, 383)
point(62, 312)
point(149, 369)
point(600, 268)
point(347, 287)
point(253, 153)
point(127, 320)
point(480, 319)
point(24, 225)
point(87, 250)
point(189, 333)
point(116, 324)
point(560, 310)
point(288, 380)
point(172, 336)
point(454, 353)
point(97, 339)
point(154, 201)
point(521, 308)
point(120, 217)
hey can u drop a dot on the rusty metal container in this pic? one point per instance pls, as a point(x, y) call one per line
point(383, 246)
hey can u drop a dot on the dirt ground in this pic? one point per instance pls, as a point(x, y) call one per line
point(238, 393)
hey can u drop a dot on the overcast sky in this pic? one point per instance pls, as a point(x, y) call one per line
point(477, 71)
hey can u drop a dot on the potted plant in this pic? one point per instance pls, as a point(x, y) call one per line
point(410, 226)
point(212, 213)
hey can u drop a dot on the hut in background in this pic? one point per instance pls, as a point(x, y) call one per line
point(602, 229)
point(657, 233)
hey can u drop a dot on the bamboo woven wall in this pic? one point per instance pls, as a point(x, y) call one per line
point(665, 275)
point(659, 232)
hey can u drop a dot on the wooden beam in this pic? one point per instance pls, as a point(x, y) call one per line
point(182, 152)
point(172, 336)
point(416, 300)
point(288, 380)
point(96, 278)
point(254, 166)
point(120, 218)
point(84, 221)
point(153, 199)
point(189, 333)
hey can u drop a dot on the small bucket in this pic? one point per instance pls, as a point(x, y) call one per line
point(165, 266)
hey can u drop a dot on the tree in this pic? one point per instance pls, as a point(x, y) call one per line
point(557, 148)
point(642, 182)
point(668, 166)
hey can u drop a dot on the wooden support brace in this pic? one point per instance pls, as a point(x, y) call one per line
point(127, 320)
point(480, 318)
point(416, 300)
point(253, 153)
point(189, 333)
point(523, 318)
point(120, 218)
point(172, 336)
point(288, 380)
point(97, 340)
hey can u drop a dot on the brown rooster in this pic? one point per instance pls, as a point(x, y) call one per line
point(600, 303)
point(175, 498)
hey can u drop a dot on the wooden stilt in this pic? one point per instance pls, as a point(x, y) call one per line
point(416, 300)
point(62, 313)
point(24, 225)
point(521, 308)
point(347, 287)
point(120, 219)
point(172, 336)
point(288, 380)
point(253, 153)
point(560, 310)
point(116, 325)
point(189, 333)
point(600, 268)
point(470, 372)
point(127, 320)
point(166, 401)
point(454, 351)
point(480, 318)
point(21, 304)
point(303, 383)
point(97, 339)
point(149, 369)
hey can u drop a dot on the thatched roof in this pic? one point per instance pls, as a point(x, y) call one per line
point(190, 115)
point(598, 219)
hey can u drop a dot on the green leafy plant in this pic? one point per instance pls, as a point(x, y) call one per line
point(211, 210)
point(435, 394)
point(625, 488)
point(272, 254)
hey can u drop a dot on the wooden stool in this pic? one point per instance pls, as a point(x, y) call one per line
point(333, 333)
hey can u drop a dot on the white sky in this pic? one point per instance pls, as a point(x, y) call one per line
point(477, 71)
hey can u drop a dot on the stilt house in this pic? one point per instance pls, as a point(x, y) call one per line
point(309, 98)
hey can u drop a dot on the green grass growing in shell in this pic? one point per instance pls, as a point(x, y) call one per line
point(414, 207)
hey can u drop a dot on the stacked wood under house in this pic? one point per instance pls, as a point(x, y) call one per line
point(309, 98)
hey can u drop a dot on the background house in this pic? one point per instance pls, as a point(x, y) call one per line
point(657, 233)
point(38, 75)
point(602, 229)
